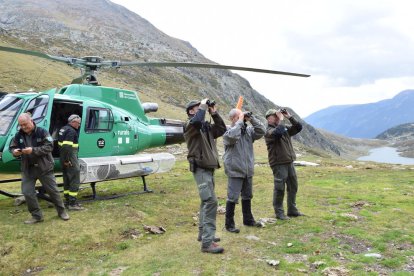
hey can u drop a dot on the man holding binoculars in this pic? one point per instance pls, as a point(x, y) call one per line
point(281, 156)
point(239, 165)
point(203, 157)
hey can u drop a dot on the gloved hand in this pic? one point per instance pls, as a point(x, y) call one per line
point(279, 131)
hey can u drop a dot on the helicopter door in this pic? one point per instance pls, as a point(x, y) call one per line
point(40, 107)
point(98, 135)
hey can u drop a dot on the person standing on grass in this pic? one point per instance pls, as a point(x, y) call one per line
point(34, 145)
point(281, 156)
point(203, 157)
point(68, 142)
point(239, 165)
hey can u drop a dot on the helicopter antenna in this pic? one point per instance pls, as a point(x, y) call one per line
point(40, 74)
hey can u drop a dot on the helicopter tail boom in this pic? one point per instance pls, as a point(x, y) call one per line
point(174, 131)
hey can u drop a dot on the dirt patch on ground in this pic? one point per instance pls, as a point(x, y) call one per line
point(6, 250)
point(118, 271)
point(355, 246)
point(130, 234)
point(410, 265)
point(296, 258)
point(33, 271)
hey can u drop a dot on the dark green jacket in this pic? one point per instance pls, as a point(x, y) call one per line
point(42, 145)
point(68, 142)
point(200, 138)
point(279, 143)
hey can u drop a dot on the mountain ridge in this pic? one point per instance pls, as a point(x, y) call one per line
point(365, 120)
point(401, 137)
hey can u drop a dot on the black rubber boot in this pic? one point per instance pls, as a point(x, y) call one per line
point(66, 200)
point(230, 226)
point(291, 203)
point(278, 205)
point(248, 218)
point(74, 205)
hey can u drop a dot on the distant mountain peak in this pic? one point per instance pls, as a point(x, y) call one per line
point(366, 120)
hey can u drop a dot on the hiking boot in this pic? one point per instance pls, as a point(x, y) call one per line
point(254, 224)
point(298, 214)
point(63, 215)
point(282, 217)
point(75, 207)
point(215, 239)
point(33, 220)
point(214, 248)
point(233, 230)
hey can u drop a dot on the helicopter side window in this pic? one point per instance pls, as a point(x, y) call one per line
point(9, 106)
point(99, 120)
point(38, 108)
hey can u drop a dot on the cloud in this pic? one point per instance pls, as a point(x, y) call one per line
point(358, 48)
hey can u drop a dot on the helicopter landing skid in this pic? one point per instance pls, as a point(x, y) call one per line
point(41, 193)
point(94, 195)
point(9, 194)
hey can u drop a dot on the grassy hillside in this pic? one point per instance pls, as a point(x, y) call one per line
point(352, 209)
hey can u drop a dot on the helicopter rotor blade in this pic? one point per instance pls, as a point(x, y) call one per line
point(25, 52)
point(206, 65)
point(68, 60)
point(86, 62)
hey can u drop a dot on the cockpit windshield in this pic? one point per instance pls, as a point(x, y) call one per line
point(9, 107)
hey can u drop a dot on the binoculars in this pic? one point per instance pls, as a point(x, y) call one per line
point(211, 103)
point(248, 114)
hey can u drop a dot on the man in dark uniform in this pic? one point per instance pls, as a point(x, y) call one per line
point(200, 137)
point(35, 145)
point(281, 156)
point(68, 142)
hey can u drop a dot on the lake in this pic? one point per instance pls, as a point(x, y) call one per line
point(386, 155)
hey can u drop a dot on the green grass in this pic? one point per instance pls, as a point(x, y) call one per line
point(109, 237)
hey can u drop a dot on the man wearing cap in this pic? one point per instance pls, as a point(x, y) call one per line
point(239, 165)
point(34, 145)
point(281, 156)
point(68, 142)
point(203, 157)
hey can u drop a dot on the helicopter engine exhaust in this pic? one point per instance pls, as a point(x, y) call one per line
point(174, 131)
point(114, 167)
point(150, 107)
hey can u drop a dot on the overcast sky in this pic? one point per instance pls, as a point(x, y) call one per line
point(356, 51)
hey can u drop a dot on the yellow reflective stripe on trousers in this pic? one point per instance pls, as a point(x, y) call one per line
point(74, 194)
point(69, 143)
point(66, 192)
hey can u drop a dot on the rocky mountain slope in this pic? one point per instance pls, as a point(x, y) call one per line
point(366, 120)
point(402, 137)
point(402, 132)
point(100, 27)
